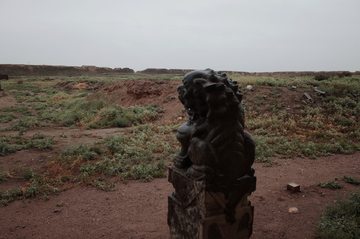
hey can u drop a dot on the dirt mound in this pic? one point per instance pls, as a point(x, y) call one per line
point(142, 93)
point(70, 85)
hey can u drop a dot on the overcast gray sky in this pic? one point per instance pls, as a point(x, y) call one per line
point(238, 35)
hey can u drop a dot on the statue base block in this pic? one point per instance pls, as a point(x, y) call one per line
point(199, 210)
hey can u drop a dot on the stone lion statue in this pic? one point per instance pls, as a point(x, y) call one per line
point(214, 144)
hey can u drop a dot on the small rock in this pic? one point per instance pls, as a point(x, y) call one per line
point(293, 210)
point(56, 211)
point(252, 90)
point(287, 109)
point(294, 87)
point(249, 87)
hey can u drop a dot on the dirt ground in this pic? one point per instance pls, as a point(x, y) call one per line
point(139, 210)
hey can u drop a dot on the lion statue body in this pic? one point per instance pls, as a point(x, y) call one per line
point(214, 145)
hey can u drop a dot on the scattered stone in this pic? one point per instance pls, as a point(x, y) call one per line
point(252, 90)
point(57, 211)
point(249, 87)
point(307, 96)
point(319, 91)
point(294, 87)
point(293, 187)
point(287, 109)
point(293, 210)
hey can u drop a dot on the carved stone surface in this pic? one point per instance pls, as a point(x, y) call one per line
point(214, 144)
point(195, 212)
point(212, 176)
point(2, 90)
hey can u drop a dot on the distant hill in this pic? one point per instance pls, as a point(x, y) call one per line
point(47, 70)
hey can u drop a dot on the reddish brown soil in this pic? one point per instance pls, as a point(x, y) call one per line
point(139, 210)
point(144, 92)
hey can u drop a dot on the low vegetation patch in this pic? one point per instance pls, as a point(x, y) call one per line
point(11, 144)
point(341, 220)
point(96, 113)
point(329, 124)
point(295, 127)
point(23, 109)
point(138, 154)
point(332, 184)
point(4, 118)
point(351, 180)
point(39, 185)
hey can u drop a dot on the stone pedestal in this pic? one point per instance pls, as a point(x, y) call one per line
point(201, 210)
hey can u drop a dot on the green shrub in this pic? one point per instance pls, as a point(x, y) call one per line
point(102, 123)
point(343, 121)
point(341, 220)
point(27, 173)
point(332, 184)
point(351, 180)
point(344, 74)
point(115, 144)
point(24, 123)
point(97, 149)
point(3, 176)
point(40, 106)
point(38, 141)
point(146, 172)
point(33, 190)
point(321, 77)
point(4, 118)
point(81, 111)
point(16, 108)
point(93, 126)
point(109, 113)
point(89, 155)
point(76, 150)
point(6, 149)
point(121, 122)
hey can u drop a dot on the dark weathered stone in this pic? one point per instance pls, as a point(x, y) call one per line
point(205, 213)
point(214, 144)
point(212, 176)
point(4, 77)
point(2, 90)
